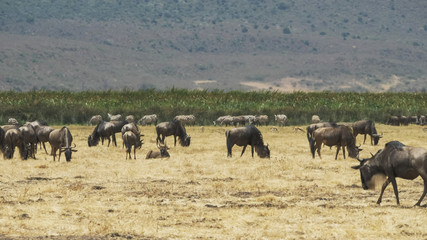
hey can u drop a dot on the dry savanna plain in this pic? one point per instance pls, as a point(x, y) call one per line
point(201, 193)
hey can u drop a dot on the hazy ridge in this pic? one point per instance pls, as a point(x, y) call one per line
point(283, 45)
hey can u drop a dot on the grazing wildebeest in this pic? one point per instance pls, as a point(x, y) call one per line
point(95, 120)
point(366, 127)
point(395, 160)
point(315, 119)
point(61, 139)
point(130, 118)
point(174, 128)
point(219, 120)
point(281, 119)
point(116, 117)
point(14, 138)
point(261, 120)
point(186, 119)
point(244, 136)
point(104, 130)
point(42, 133)
point(312, 127)
point(131, 139)
point(30, 138)
point(148, 120)
point(227, 120)
point(340, 136)
point(393, 121)
point(162, 153)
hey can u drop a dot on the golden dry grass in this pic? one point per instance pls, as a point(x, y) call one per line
point(200, 193)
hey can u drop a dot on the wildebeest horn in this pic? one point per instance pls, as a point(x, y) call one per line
point(73, 146)
point(372, 154)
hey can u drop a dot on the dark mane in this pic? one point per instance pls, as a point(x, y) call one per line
point(259, 139)
point(396, 145)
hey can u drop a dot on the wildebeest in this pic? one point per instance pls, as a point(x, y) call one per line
point(148, 120)
point(133, 128)
point(174, 128)
point(393, 121)
point(116, 117)
point(281, 119)
point(131, 139)
point(95, 120)
point(366, 127)
point(30, 138)
point(312, 127)
point(244, 136)
point(14, 138)
point(261, 119)
point(104, 130)
point(315, 119)
point(117, 128)
point(219, 120)
point(340, 136)
point(395, 160)
point(42, 133)
point(162, 153)
point(130, 118)
point(12, 121)
point(186, 119)
point(61, 139)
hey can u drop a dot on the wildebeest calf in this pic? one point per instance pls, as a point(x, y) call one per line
point(130, 139)
point(162, 153)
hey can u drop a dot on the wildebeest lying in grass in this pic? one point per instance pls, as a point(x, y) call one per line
point(61, 139)
point(244, 136)
point(395, 160)
point(162, 153)
point(174, 128)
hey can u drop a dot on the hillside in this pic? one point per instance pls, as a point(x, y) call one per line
point(229, 45)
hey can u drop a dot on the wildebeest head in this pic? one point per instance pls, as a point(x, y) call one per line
point(92, 141)
point(68, 151)
point(376, 138)
point(367, 171)
point(263, 151)
point(185, 141)
point(163, 150)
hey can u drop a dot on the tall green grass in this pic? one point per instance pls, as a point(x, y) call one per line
point(77, 107)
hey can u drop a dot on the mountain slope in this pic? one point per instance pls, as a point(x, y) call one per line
point(284, 45)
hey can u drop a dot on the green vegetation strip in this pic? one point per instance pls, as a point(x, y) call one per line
point(77, 107)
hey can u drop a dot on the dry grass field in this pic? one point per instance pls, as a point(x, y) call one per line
point(200, 193)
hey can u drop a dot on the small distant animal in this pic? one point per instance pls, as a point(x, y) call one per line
point(281, 119)
point(219, 120)
point(116, 117)
point(130, 118)
point(12, 121)
point(395, 160)
point(61, 139)
point(244, 136)
point(315, 119)
point(148, 120)
point(186, 119)
point(296, 129)
point(162, 153)
point(130, 139)
point(95, 120)
point(261, 120)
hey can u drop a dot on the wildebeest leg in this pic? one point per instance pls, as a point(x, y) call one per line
point(382, 190)
point(338, 150)
point(244, 148)
point(114, 139)
point(44, 146)
point(364, 140)
point(174, 138)
point(229, 147)
point(424, 176)
point(319, 146)
point(393, 182)
point(109, 141)
point(134, 152)
point(252, 150)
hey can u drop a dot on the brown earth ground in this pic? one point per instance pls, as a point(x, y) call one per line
point(200, 193)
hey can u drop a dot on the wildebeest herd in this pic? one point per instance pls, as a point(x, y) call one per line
point(395, 160)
